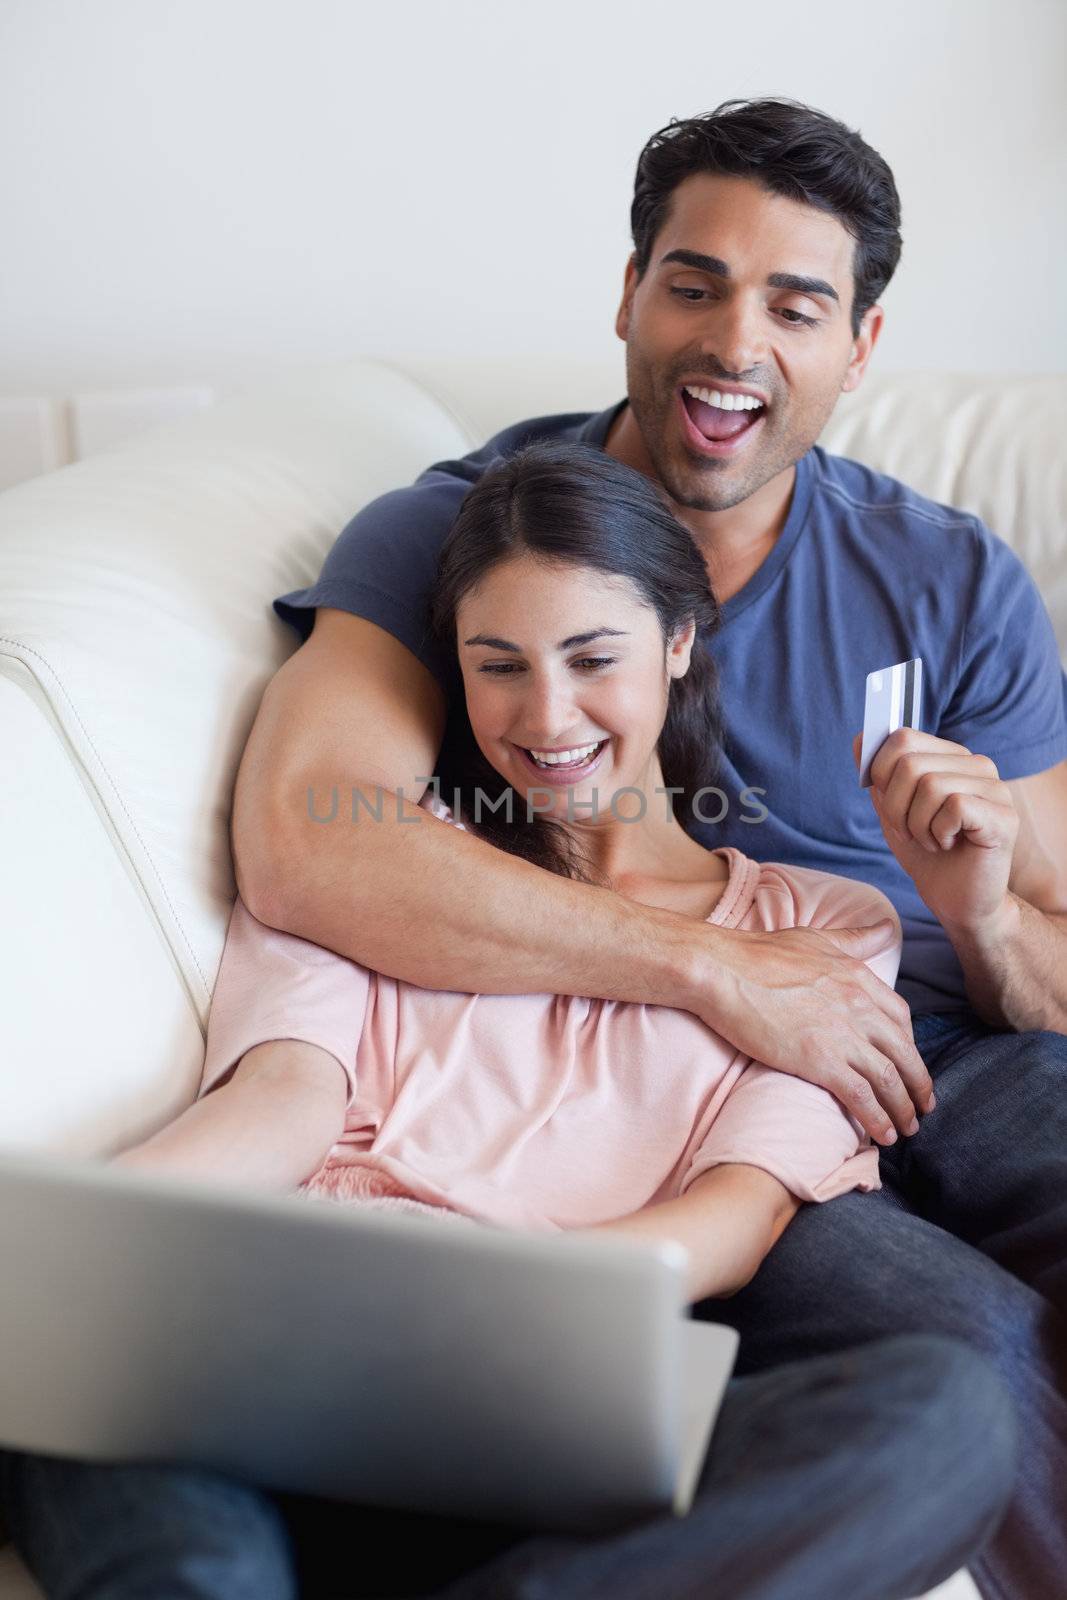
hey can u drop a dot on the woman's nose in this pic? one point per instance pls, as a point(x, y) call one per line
point(548, 714)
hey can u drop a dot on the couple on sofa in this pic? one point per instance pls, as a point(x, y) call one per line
point(604, 635)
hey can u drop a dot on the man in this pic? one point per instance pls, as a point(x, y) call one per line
point(764, 235)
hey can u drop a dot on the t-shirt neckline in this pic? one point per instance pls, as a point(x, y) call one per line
point(739, 891)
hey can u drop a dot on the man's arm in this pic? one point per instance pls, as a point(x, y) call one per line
point(989, 858)
point(1016, 966)
point(726, 1221)
point(415, 899)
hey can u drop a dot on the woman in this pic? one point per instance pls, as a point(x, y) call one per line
point(576, 607)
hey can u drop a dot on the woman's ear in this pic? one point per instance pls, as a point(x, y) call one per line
point(680, 650)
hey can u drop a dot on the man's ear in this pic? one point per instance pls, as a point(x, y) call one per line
point(622, 319)
point(680, 650)
point(862, 346)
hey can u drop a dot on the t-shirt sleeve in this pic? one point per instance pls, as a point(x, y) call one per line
point(792, 1129)
point(1010, 701)
point(383, 566)
point(788, 1127)
point(272, 985)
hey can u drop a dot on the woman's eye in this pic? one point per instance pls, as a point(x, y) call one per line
point(507, 669)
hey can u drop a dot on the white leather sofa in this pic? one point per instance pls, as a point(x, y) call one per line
point(136, 637)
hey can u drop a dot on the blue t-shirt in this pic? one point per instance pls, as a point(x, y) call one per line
point(865, 572)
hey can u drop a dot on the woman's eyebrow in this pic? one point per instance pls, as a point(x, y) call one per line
point(564, 644)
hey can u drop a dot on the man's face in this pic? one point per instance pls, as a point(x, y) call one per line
point(744, 291)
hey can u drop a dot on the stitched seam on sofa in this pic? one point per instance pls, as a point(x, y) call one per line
point(20, 651)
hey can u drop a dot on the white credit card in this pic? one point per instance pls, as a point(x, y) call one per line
point(894, 700)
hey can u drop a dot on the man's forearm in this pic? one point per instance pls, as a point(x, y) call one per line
point(419, 900)
point(416, 899)
point(1016, 968)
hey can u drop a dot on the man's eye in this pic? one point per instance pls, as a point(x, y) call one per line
point(800, 318)
point(685, 293)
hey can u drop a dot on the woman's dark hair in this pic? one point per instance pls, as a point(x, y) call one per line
point(792, 150)
point(572, 503)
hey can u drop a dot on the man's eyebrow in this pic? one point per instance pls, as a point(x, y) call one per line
point(777, 280)
point(564, 644)
point(802, 285)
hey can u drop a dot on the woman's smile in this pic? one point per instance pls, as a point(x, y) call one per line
point(558, 773)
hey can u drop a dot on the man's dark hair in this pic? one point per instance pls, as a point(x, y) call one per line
point(792, 150)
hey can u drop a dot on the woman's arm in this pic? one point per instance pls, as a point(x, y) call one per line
point(270, 1125)
point(726, 1221)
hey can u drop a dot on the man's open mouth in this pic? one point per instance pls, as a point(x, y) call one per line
point(720, 417)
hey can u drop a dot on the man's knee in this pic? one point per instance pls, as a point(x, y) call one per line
point(949, 1425)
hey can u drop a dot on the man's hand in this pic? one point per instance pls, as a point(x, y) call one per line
point(804, 1001)
point(950, 822)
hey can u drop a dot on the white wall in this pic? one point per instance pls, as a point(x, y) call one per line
point(205, 191)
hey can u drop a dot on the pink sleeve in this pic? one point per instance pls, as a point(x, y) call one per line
point(272, 985)
point(791, 1128)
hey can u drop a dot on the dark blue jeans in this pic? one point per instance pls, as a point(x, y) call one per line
point(967, 1238)
point(869, 1475)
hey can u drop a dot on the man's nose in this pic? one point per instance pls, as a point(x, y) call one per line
point(737, 338)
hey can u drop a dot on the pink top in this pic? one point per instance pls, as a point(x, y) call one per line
point(546, 1111)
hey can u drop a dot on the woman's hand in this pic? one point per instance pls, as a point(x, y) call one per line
point(950, 822)
point(804, 1001)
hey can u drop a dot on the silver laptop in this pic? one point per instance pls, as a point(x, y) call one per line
point(549, 1382)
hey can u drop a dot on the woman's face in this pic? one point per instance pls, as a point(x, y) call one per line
point(567, 664)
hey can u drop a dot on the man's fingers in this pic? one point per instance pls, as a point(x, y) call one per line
point(898, 1077)
point(894, 1070)
point(985, 823)
point(853, 1090)
point(910, 748)
point(887, 1025)
point(890, 1094)
point(909, 1087)
point(914, 816)
point(874, 1092)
